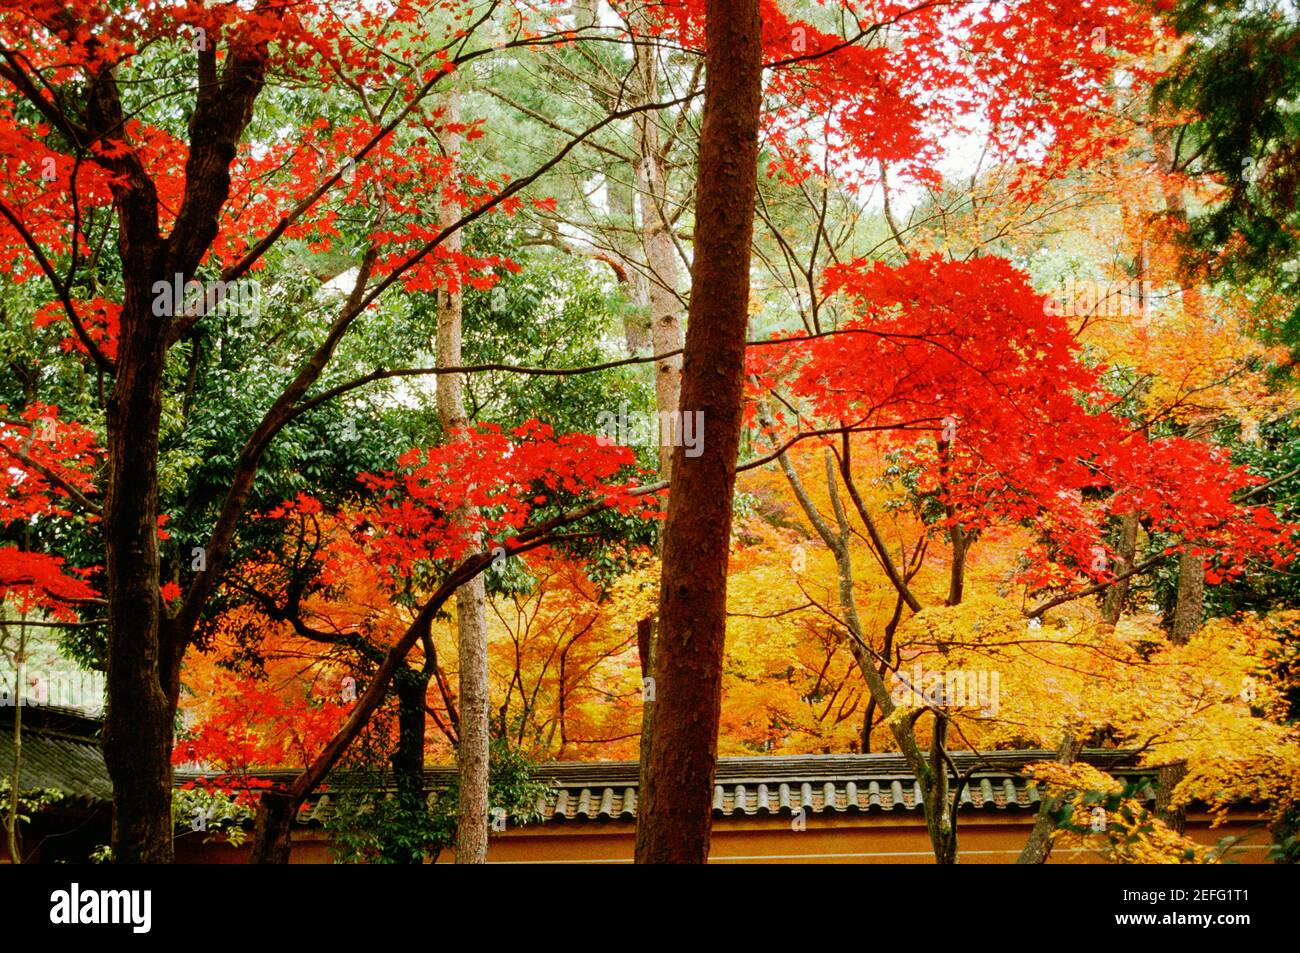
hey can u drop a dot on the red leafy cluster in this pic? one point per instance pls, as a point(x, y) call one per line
point(506, 476)
point(256, 726)
point(418, 514)
point(1018, 427)
point(41, 451)
point(39, 582)
point(1034, 75)
point(37, 185)
point(42, 455)
point(337, 45)
point(73, 36)
point(99, 316)
point(1047, 66)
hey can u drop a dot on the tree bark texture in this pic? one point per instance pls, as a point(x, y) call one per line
point(472, 754)
point(675, 819)
point(1039, 846)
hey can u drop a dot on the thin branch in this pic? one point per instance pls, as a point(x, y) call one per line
point(98, 356)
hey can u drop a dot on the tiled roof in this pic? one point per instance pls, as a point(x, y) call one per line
point(60, 751)
point(779, 786)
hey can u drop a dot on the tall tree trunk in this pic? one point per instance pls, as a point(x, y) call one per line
point(144, 648)
point(676, 818)
point(660, 282)
point(138, 719)
point(472, 753)
point(1112, 606)
point(1189, 604)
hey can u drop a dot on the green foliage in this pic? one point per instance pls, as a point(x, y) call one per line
point(211, 813)
point(1274, 456)
point(1285, 848)
point(1240, 77)
point(30, 801)
point(369, 823)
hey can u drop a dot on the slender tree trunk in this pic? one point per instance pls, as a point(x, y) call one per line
point(472, 754)
point(645, 642)
point(676, 817)
point(1112, 606)
point(660, 282)
point(957, 577)
point(941, 812)
point(1189, 608)
point(931, 776)
point(15, 776)
point(1039, 846)
point(1189, 604)
point(661, 259)
point(886, 652)
point(960, 541)
point(943, 839)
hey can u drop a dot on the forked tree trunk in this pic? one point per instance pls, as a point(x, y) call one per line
point(271, 840)
point(144, 649)
point(940, 802)
point(674, 823)
point(1039, 846)
point(931, 776)
point(472, 753)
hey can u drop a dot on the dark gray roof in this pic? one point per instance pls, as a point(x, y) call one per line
point(778, 786)
point(60, 750)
